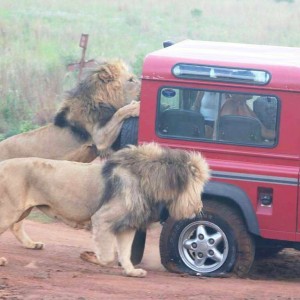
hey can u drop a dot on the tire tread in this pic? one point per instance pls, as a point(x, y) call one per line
point(244, 241)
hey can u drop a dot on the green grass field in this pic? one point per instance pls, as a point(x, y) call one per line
point(39, 38)
point(40, 217)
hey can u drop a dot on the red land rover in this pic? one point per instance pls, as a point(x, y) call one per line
point(238, 105)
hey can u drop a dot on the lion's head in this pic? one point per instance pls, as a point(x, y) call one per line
point(98, 96)
point(109, 83)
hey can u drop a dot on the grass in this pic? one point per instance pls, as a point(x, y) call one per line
point(38, 216)
point(39, 38)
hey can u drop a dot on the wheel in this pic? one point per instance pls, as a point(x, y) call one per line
point(128, 134)
point(212, 244)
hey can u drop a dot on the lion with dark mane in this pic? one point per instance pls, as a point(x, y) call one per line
point(86, 125)
point(120, 195)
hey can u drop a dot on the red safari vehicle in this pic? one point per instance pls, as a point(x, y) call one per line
point(239, 106)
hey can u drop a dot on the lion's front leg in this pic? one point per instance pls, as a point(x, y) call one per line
point(105, 136)
point(130, 110)
point(104, 249)
point(104, 240)
point(124, 243)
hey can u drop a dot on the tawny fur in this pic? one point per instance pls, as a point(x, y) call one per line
point(119, 195)
point(91, 114)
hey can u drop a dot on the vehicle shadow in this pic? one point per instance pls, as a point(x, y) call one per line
point(283, 266)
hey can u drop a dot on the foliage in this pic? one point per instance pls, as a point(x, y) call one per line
point(196, 12)
point(38, 39)
point(289, 1)
point(38, 216)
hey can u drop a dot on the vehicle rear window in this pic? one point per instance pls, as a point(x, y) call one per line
point(213, 73)
point(218, 116)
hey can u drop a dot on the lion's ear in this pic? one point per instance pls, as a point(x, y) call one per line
point(105, 74)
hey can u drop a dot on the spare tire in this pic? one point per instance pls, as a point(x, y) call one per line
point(128, 134)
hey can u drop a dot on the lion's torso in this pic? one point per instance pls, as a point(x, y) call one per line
point(49, 141)
point(46, 184)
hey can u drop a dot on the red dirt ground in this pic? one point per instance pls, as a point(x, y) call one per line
point(58, 273)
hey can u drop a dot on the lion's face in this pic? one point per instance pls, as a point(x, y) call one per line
point(131, 85)
point(114, 84)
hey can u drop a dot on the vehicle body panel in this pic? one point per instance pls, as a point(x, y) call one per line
point(249, 168)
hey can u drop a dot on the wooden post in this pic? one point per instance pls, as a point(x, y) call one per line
point(82, 63)
point(83, 44)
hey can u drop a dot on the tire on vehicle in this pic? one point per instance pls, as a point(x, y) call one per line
point(214, 243)
point(129, 136)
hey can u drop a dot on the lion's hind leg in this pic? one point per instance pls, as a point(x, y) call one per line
point(5, 222)
point(11, 215)
point(85, 154)
point(21, 235)
point(90, 257)
point(124, 243)
point(3, 228)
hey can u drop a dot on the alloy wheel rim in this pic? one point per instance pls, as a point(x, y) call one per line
point(203, 246)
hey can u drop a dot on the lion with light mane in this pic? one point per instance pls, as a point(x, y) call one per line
point(120, 195)
point(86, 125)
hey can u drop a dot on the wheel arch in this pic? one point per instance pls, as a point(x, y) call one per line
point(234, 196)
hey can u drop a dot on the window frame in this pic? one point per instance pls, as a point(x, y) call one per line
point(220, 79)
point(211, 140)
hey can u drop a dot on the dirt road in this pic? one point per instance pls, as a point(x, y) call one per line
point(58, 273)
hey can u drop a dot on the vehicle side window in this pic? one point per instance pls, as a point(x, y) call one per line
point(219, 116)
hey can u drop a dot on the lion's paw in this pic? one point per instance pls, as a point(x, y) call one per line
point(135, 108)
point(105, 153)
point(3, 261)
point(38, 246)
point(131, 110)
point(136, 273)
point(134, 102)
point(90, 257)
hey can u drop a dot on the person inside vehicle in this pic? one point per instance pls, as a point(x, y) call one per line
point(236, 104)
point(207, 103)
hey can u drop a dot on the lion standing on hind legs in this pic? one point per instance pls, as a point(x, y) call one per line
point(86, 125)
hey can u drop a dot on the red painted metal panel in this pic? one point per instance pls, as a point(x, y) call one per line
point(278, 221)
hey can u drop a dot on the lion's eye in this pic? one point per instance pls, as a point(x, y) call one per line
point(131, 79)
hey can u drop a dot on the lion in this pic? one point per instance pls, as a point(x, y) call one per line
point(119, 195)
point(85, 126)
point(91, 113)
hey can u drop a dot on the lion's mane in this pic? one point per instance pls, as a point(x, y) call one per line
point(95, 99)
point(147, 175)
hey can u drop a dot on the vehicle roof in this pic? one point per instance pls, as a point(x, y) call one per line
point(282, 62)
